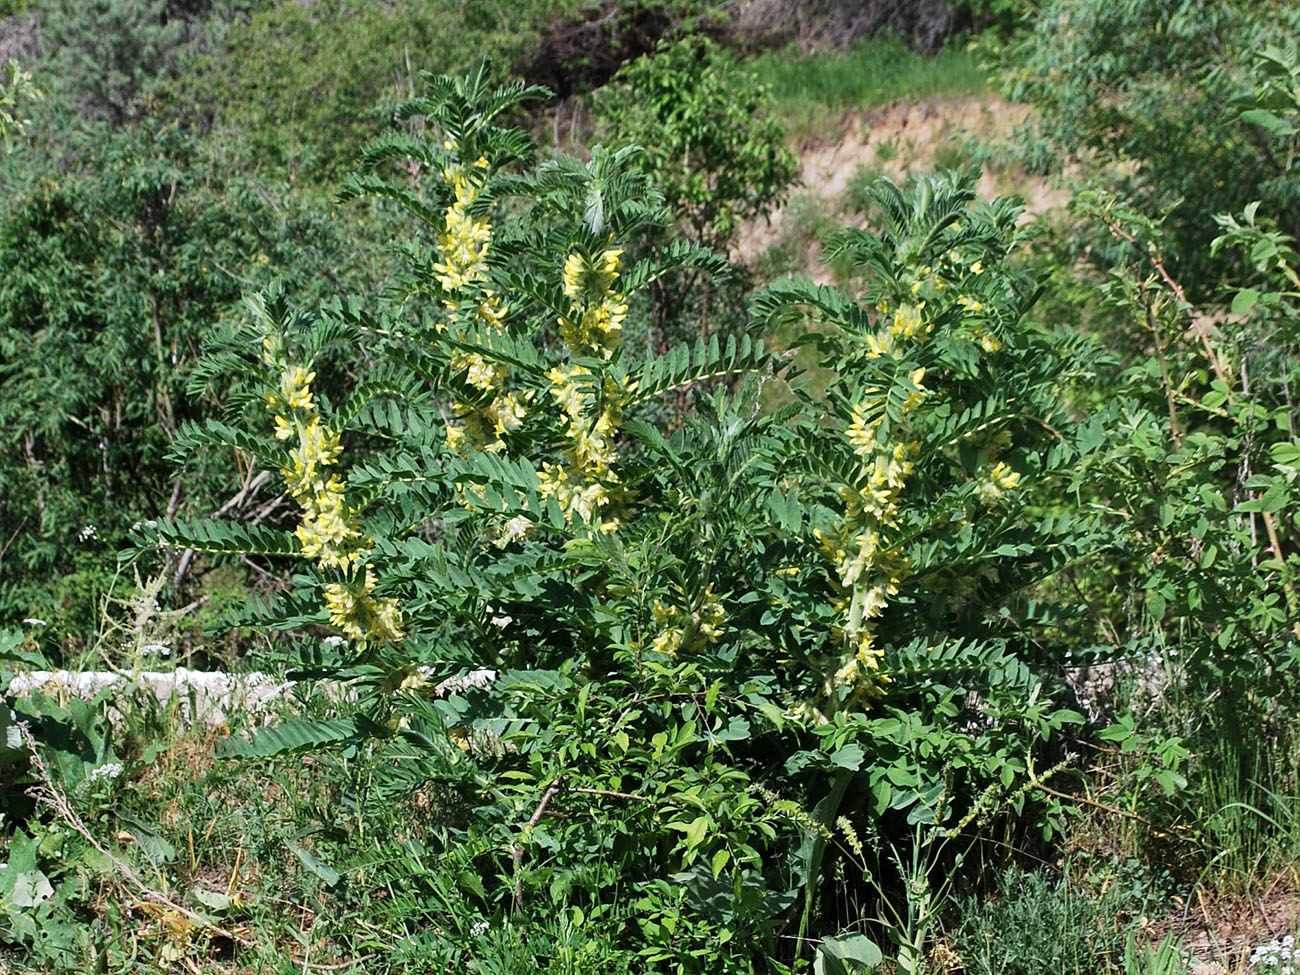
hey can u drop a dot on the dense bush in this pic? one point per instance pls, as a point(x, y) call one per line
point(278, 81)
point(113, 270)
point(801, 606)
point(657, 656)
point(1145, 94)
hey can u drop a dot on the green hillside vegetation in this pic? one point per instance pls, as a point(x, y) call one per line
point(608, 601)
point(812, 90)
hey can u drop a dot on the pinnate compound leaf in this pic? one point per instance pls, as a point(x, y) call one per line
point(296, 736)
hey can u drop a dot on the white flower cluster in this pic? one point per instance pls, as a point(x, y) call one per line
point(335, 641)
point(109, 771)
point(477, 679)
point(1279, 956)
point(87, 533)
point(478, 928)
point(155, 650)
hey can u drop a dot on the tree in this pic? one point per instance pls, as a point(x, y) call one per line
point(113, 270)
point(1143, 94)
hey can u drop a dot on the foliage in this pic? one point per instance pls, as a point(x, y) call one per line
point(276, 82)
point(713, 146)
point(1143, 93)
point(599, 634)
point(115, 267)
point(625, 654)
point(108, 55)
point(1201, 476)
point(1034, 922)
point(716, 151)
point(999, 18)
point(14, 91)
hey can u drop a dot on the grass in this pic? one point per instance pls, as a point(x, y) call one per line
point(1035, 922)
point(812, 90)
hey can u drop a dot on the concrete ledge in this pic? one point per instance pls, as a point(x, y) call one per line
point(205, 697)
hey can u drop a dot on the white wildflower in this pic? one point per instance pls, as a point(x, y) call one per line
point(33, 621)
point(1278, 955)
point(155, 650)
point(478, 679)
point(110, 771)
point(478, 928)
point(517, 529)
point(87, 533)
point(335, 641)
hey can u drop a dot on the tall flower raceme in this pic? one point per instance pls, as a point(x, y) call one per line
point(868, 563)
point(866, 546)
point(330, 530)
point(585, 485)
point(461, 271)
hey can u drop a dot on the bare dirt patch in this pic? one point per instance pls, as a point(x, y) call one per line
point(896, 141)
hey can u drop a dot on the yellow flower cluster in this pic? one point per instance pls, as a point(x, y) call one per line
point(995, 485)
point(359, 615)
point(868, 570)
point(462, 248)
point(683, 632)
point(593, 405)
point(595, 321)
point(330, 531)
point(465, 238)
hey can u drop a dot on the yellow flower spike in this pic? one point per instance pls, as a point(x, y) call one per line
point(591, 326)
point(329, 531)
point(573, 268)
point(881, 344)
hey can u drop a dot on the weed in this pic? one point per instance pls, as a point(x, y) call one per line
point(1035, 923)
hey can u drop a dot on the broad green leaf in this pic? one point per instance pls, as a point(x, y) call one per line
point(852, 954)
point(327, 874)
point(1244, 301)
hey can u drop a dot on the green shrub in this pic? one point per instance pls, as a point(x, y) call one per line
point(1034, 922)
point(694, 635)
point(113, 269)
point(713, 145)
point(306, 86)
point(1144, 94)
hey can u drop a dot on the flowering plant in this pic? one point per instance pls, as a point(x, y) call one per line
point(661, 609)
